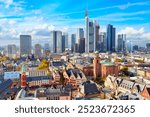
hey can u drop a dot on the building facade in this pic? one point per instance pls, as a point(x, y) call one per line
point(25, 45)
point(56, 37)
point(111, 41)
point(38, 50)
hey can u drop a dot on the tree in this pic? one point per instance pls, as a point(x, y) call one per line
point(44, 65)
point(118, 60)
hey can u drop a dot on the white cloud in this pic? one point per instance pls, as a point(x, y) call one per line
point(125, 6)
point(146, 36)
point(132, 31)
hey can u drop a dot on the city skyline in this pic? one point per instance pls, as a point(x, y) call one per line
point(30, 17)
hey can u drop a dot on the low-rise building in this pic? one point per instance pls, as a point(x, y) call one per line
point(53, 93)
point(89, 89)
point(75, 77)
point(33, 81)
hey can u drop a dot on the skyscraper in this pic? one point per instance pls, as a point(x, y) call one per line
point(38, 50)
point(96, 36)
point(66, 40)
point(11, 50)
point(63, 43)
point(56, 37)
point(87, 32)
point(111, 32)
point(81, 43)
point(80, 33)
point(92, 35)
point(73, 41)
point(103, 42)
point(135, 48)
point(25, 45)
point(120, 42)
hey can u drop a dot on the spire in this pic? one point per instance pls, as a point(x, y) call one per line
point(86, 12)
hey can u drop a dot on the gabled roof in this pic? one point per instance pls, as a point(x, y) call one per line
point(75, 72)
point(35, 78)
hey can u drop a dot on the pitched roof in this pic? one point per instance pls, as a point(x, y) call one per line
point(90, 88)
point(75, 72)
point(35, 78)
point(4, 85)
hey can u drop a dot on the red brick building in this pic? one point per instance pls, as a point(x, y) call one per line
point(108, 68)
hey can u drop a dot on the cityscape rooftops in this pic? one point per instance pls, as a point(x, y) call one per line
point(90, 88)
point(4, 85)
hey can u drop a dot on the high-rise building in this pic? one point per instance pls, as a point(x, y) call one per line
point(91, 39)
point(63, 43)
point(76, 48)
point(96, 36)
point(135, 48)
point(66, 40)
point(56, 37)
point(87, 32)
point(121, 43)
point(92, 35)
point(38, 50)
point(80, 33)
point(81, 43)
point(102, 42)
point(11, 50)
point(73, 41)
point(25, 45)
point(148, 47)
point(111, 32)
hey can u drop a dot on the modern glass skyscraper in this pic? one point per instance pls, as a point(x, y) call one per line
point(121, 42)
point(96, 37)
point(25, 45)
point(92, 35)
point(81, 43)
point(63, 43)
point(103, 42)
point(56, 37)
point(73, 41)
point(80, 33)
point(111, 41)
point(87, 32)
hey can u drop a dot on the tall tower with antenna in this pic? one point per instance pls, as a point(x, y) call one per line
point(87, 31)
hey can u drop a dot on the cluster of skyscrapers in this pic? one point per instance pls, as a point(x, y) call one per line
point(86, 40)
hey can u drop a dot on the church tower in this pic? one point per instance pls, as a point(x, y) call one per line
point(96, 66)
point(23, 79)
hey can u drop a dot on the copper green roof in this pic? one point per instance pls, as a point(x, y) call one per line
point(107, 63)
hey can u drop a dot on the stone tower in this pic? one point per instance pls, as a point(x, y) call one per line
point(96, 66)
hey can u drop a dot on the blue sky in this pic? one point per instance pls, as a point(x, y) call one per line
point(39, 17)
